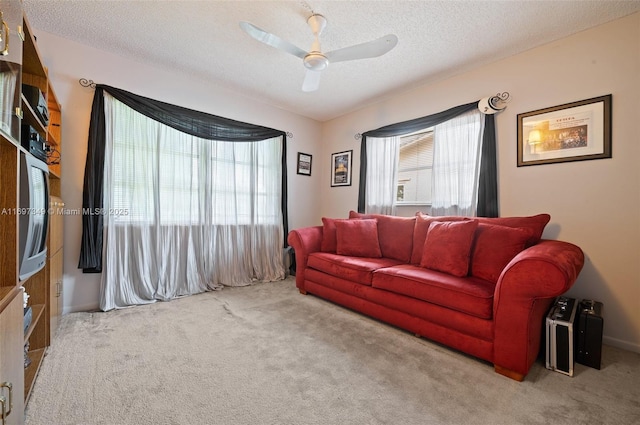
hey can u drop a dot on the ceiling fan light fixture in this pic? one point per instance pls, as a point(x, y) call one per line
point(316, 61)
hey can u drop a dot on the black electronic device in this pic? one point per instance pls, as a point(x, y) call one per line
point(38, 103)
point(589, 324)
point(559, 335)
point(28, 316)
point(33, 142)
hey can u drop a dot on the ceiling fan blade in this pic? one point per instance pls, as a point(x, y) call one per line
point(366, 50)
point(311, 81)
point(272, 40)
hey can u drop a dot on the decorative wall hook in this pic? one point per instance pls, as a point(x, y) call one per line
point(87, 83)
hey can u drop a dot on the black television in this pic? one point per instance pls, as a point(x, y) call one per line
point(33, 215)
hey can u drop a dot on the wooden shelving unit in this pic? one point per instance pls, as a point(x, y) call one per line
point(31, 371)
point(54, 133)
point(45, 287)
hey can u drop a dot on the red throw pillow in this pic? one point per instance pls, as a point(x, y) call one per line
point(420, 232)
point(358, 238)
point(493, 248)
point(448, 246)
point(395, 234)
point(329, 241)
point(534, 225)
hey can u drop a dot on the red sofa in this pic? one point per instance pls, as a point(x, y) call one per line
point(481, 285)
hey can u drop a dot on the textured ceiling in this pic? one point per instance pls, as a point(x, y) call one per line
point(202, 38)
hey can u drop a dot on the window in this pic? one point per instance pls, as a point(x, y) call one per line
point(415, 166)
point(433, 160)
point(203, 196)
point(161, 175)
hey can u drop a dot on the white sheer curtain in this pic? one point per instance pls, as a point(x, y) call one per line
point(456, 164)
point(382, 179)
point(184, 215)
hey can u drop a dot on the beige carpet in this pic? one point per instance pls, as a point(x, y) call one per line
point(267, 355)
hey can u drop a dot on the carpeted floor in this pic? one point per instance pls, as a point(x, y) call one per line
point(265, 354)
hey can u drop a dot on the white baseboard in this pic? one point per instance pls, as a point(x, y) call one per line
point(625, 345)
point(80, 308)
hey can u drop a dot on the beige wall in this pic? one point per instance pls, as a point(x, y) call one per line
point(594, 204)
point(69, 61)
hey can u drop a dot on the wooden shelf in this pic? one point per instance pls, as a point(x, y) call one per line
point(51, 138)
point(30, 117)
point(54, 131)
point(53, 172)
point(31, 372)
point(55, 188)
point(36, 314)
point(55, 117)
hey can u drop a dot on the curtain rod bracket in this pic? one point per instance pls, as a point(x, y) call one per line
point(289, 135)
point(87, 83)
point(357, 136)
point(494, 104)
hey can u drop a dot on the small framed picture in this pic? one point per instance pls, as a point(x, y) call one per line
point(571, 132)
point(341, 169)
point(304, 164)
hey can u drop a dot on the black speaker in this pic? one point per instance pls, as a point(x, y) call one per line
point(559, 335)
point(36, 100)
point(590, 324)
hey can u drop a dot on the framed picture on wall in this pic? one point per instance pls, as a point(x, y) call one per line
point(341, 169)
point(574, 131)
point(304, 164)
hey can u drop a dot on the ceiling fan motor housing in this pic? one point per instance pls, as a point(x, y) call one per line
point(316, 61)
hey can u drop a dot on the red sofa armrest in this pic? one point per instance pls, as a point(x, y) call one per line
point(304, 241)
point(524, 292)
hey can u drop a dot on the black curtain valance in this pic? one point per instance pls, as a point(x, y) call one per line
point(488, 186)
point(405, 127)
point(195, 123)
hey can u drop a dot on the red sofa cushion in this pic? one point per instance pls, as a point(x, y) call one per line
point(493, 248)
point(413, 307)
point(358, 238)
point(420, 233)
point(448, 246)
point(466, 294)
point(355, 269)
point(329, 237)
point(534, 225)
point(395, 234)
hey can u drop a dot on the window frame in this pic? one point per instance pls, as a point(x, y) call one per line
point(399, 183)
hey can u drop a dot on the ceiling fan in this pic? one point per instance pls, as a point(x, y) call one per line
point(315, 60)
